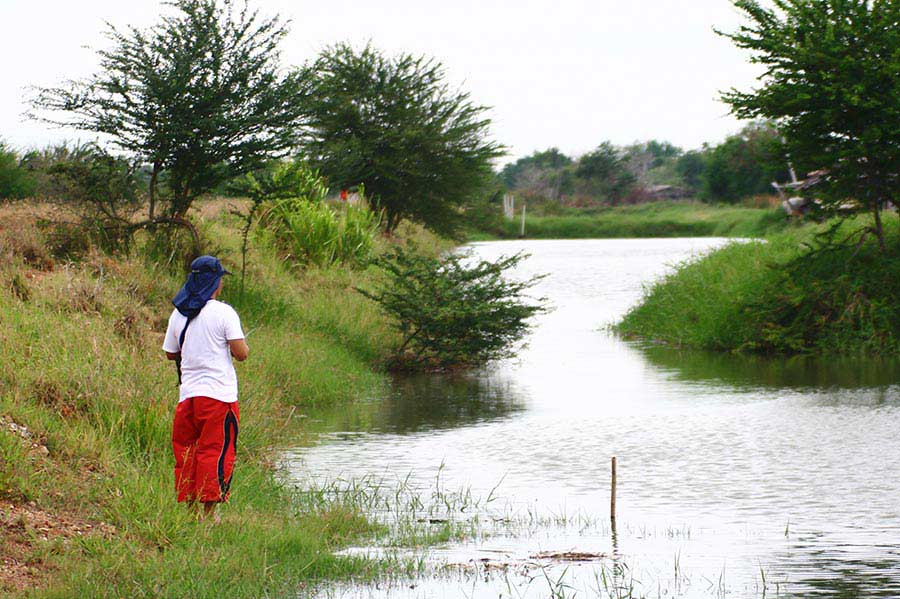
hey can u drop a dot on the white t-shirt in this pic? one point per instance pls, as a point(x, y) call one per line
point(206, 366)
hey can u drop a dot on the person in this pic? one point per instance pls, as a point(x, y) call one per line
point(203, 336)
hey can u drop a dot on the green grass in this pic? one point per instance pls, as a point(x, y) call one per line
point(778, 296)
point(85, 374)
point(657, 219)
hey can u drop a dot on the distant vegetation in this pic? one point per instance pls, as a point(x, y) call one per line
point(653, 219)
point(741, 167)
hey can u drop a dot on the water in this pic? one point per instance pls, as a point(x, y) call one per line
point(737, 476)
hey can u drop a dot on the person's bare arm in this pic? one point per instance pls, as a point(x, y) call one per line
point(239, 349)
point(173, 356)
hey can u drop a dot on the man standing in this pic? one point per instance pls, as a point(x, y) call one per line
point(203, 336)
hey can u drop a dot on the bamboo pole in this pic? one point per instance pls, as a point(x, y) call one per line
point(612, 491)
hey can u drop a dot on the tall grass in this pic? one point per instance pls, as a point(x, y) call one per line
point(87, 378)
point(316, 234)
point(786, 295)
point(657, 219)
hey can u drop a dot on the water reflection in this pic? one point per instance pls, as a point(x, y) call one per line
point(749, 372)
point(430, 402)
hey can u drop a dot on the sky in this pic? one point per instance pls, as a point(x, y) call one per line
point(563, 73)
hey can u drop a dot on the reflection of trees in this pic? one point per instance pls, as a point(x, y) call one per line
point(819, 575)
point(426, 402)
point(773, 371)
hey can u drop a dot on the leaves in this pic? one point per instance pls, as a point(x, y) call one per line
point(394, 125)
point(831, 86)
point(451, 312)
point(199, 96)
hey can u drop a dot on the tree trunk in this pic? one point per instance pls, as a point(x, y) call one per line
point(879, 227)
point(153, 178)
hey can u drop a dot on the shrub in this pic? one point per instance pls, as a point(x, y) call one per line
point(451, 313)
point(313, 233)
point(15, 181)
point(305, 226)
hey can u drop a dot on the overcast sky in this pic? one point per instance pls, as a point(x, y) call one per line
point(564, 73)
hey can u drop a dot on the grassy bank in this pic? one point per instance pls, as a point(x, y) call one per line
point(86, 401)
point(780, 297)
point(657, 219)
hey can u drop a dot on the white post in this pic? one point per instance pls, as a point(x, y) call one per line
point(523, 220)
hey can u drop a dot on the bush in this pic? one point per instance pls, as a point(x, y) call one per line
point(452, 314)
point(15, 181)
point(314, 234)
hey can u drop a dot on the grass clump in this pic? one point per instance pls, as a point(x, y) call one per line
point(656, 219)
point(792, 294)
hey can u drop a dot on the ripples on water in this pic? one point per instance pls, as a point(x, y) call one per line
point(731, 468)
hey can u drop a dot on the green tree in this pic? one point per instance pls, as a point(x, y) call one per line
point(15, 181)
point(744, 165)
point(831, 87)
point(199, 97)
point(452, 312)
point(394, 125)
point(543, 174)
point(691, 167)
point(603, 172)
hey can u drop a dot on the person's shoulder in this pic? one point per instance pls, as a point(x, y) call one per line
point(223, 308)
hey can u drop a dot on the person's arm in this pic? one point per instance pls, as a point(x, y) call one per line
point(170, 344)
point(239, 349)
point(234, 334)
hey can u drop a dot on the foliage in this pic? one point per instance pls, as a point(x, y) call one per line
point(743, 165)
point(277, 181)
point(650, 219)
point(831, 86)
point(642, 158)
point(691, 167)
point(394, 125)
point(199, 97)
point(543, 174)
point(451, 313)
point(313, 232)
point(15, 181)
point(603, 172)
point(794, 293)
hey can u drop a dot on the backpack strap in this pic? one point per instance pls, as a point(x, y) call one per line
point(181, 345)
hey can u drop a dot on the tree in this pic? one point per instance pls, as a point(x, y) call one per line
point(640, 158)
point(831, 87)
point(199, 98)
point(544, 174)
point(394, 125)
point(453, 312)
point(15, 181)
point(744, 165)
point(603, 172)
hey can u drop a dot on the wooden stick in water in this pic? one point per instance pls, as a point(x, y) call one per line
point(612, 492)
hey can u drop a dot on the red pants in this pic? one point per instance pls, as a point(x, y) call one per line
point(204, 439)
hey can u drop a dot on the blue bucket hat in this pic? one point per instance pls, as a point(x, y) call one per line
point(206, 272)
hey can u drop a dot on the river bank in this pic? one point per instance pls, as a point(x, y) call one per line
point(654, 219)
point(786, 295)
point(86, 492)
